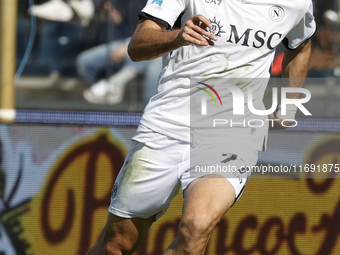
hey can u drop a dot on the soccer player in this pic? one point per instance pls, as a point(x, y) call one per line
point(202, 40)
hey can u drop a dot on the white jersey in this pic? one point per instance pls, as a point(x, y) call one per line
point(248, 32)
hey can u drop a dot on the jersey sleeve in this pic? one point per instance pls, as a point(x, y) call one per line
point(165, 12)
point(304, 30)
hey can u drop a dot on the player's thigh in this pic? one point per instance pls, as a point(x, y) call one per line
point(206, 200)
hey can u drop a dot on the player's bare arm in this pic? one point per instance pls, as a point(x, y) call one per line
point(294, 71)
point(152, 40)
point(295, 66)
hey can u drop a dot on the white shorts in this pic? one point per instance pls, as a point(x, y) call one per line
point(154, 170)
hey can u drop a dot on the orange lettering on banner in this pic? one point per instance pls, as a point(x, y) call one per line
point(73, 204)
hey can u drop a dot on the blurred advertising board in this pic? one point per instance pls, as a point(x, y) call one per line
point(56, 180)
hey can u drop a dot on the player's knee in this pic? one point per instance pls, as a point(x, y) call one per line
point(116, 244)
point(194, 233)
point(196, 227)
point(110, 250)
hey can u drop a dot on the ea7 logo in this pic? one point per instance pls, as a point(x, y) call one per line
point(217, 2)
point(229, 156)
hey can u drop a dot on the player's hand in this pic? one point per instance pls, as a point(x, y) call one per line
point(196, 32)
point(276, 124)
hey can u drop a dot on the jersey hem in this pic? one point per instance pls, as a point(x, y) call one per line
point(285, 42)
point(125, 214)
point(159, 130)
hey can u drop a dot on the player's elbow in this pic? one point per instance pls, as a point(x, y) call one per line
point(134, 53)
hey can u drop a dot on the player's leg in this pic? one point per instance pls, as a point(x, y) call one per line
point(207, 199)
point(121, 236)
point(143, 190)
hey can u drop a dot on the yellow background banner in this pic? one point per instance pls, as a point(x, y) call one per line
point(274, 216)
